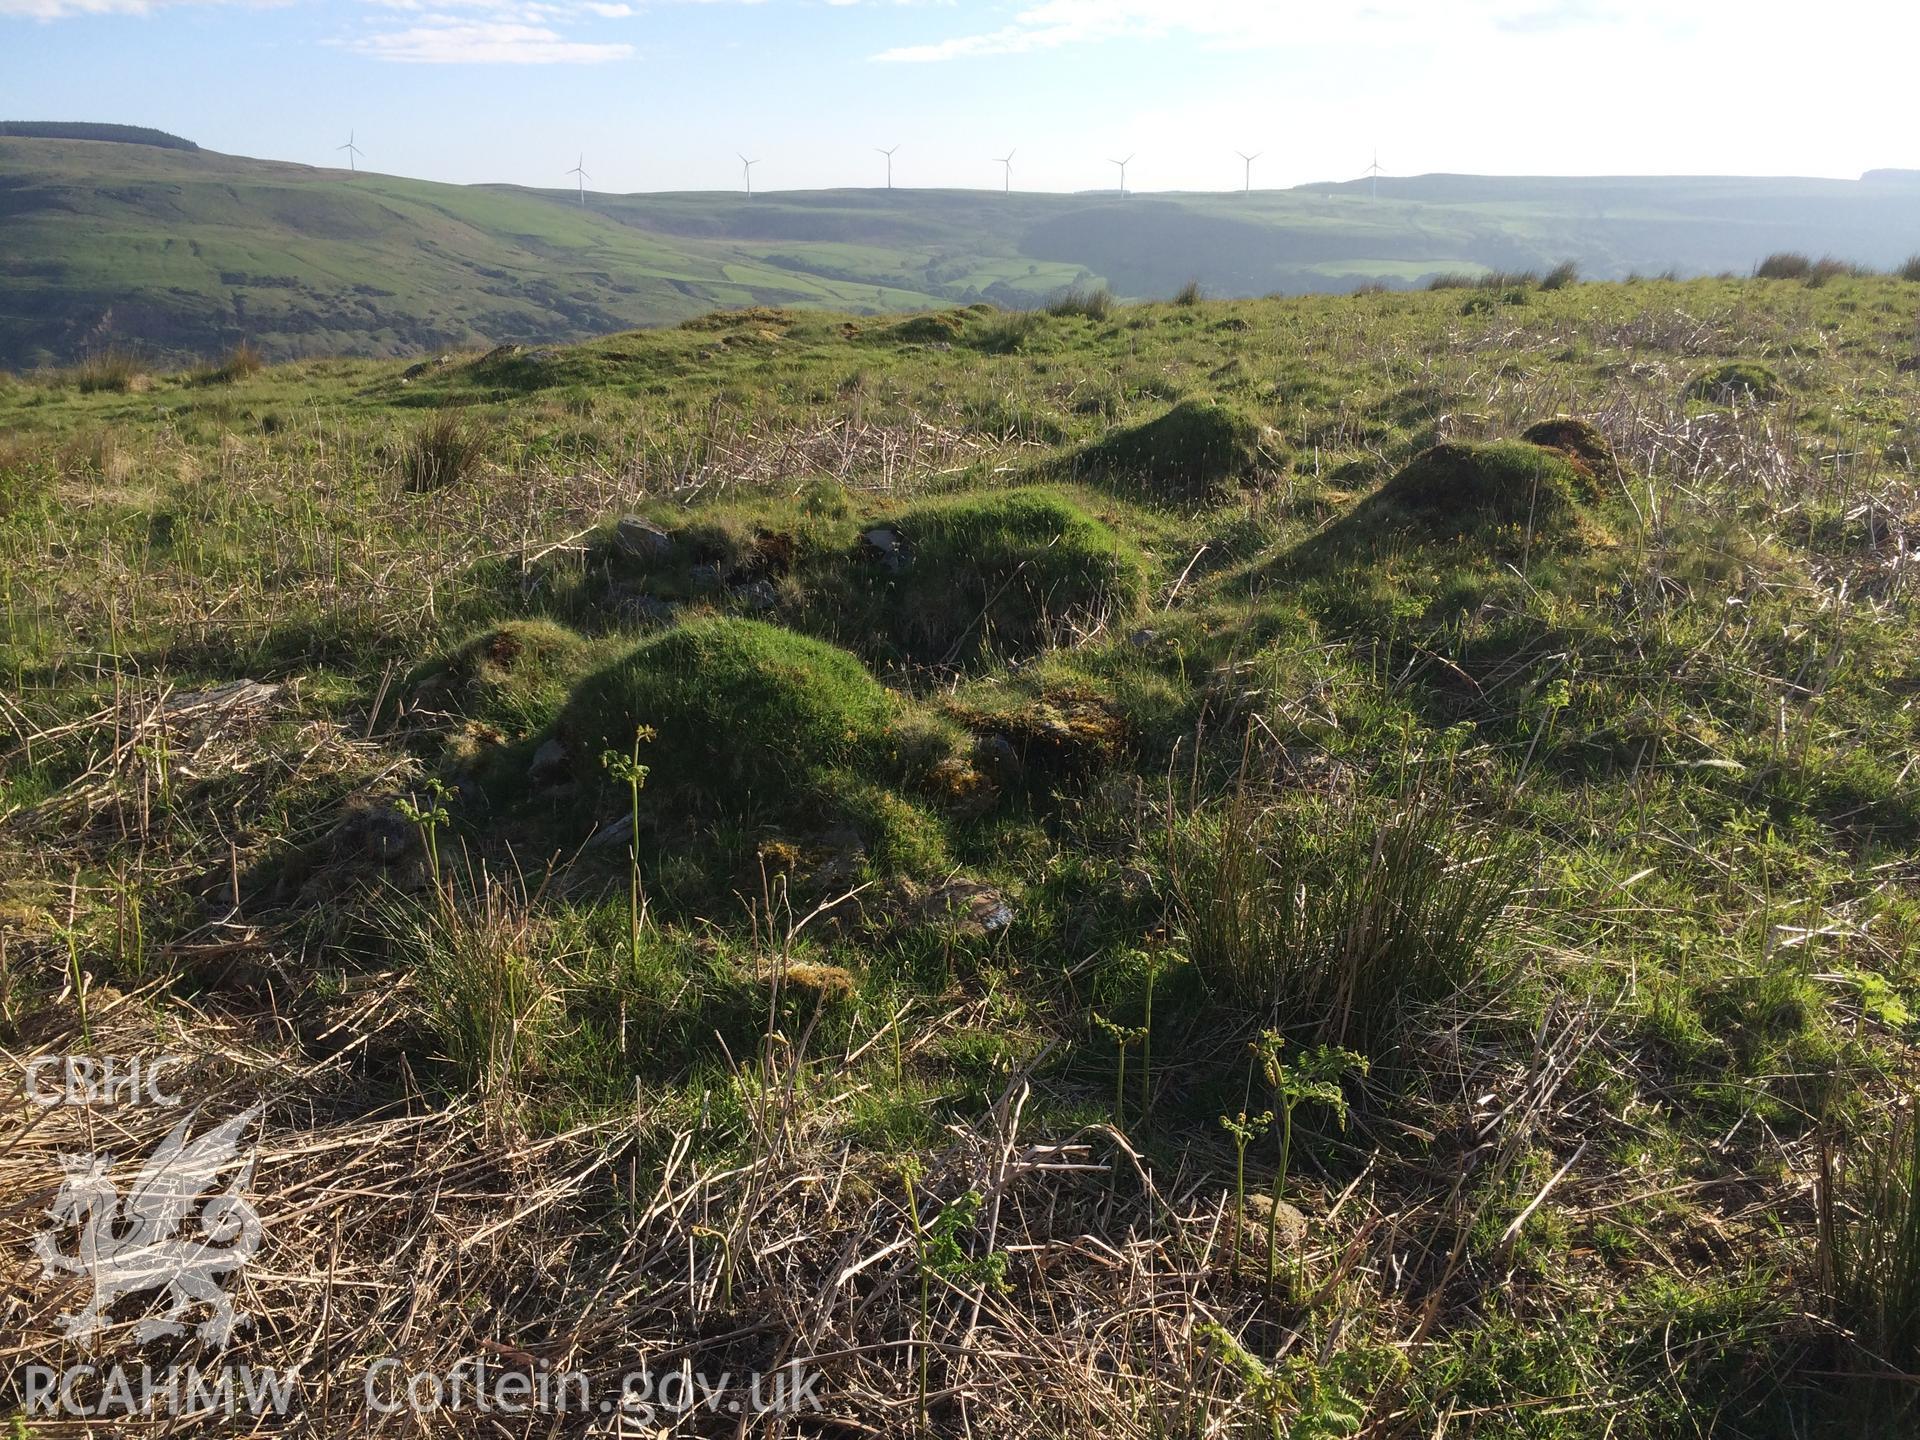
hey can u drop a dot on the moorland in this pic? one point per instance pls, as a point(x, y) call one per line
point(1322, 866)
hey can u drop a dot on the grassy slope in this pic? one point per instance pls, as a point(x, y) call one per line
point(185, 253)
point(1691, 719)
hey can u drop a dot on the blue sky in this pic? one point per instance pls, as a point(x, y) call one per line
point(661, 94)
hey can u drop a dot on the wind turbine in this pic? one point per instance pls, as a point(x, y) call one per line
point(1006, 185)
point(1249, 159)
point(581, 171)
point(889, 154)
point(1373, 172)
point(1123, 173)
point(746, 169)
point(352, 150)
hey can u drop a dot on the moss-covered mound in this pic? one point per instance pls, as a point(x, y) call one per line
point(1737, 380)
point(743, 712)
point(1195, 453)
point(1579, 441)
point(1005, 574)
point(1460, 488)
point(934, 328)
point(513, 678)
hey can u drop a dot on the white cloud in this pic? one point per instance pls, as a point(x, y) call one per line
point(1269, 24)
point(66, 9)
point(444, 41)
point(494, 32)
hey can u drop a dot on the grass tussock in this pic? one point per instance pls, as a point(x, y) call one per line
point(445, 450)
point(1084, 302)
point(1189, 294)
point(1009, 333)
point(487, 984)
point(113, 369)
point(1794, 265)
point(1784, 265)
point(1910, 270)
point(1869, 1241)
point(242, 362)
point(1566, 273)
point(510, 679)
point(1342, 917)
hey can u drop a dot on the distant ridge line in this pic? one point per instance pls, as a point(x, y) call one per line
point(90, 130)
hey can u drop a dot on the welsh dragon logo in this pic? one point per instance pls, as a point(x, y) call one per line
point(135, 1243)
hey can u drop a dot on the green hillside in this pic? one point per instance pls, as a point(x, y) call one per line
point(1323, 867)
point(181, 253)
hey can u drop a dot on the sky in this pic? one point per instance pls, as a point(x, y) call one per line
point(666, 94)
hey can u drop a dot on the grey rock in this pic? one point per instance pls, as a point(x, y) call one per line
point(885, 545)
point(759, 595)
point(550, 763)
point(995, 757)
point(221, 700)
point(1142, 639)
point(841, 853)
point(640, 540)
point(619, 832)
point(375, 831)
point(705, 577)
point(966, 907)
point(647, 609)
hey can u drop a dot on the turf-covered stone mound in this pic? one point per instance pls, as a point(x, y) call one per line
point(1460, 489)
point(744, 713)
point(759, 736)
point(511, 679)
point(1744, 381)
point(936, 327)
point(1004, 574)
point(1196, 453)
point(1580, 441)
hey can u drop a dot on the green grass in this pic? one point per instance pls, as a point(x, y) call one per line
point(1472, 690)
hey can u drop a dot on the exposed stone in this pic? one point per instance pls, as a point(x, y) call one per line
point(841, 853)
point(884, 545)
point(1289, 1222)
point(375, 831)
point(968, 907)
point(551, 763)
point(995, 757)
point(641, 540)
point(645, 608)
point(619, 832)
point(221, 700)
point(759, 595)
